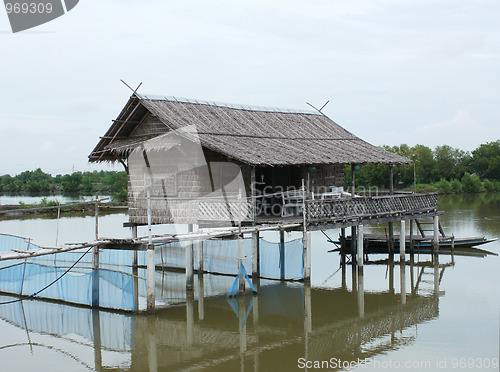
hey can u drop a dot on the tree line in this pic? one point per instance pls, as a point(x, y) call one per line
point(444, 169)
point(85, 183)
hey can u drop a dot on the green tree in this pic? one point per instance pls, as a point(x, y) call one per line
point(486, 160)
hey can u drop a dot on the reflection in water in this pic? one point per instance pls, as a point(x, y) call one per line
point(288, 322)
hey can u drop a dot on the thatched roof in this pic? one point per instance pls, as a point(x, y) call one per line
point(252, 135)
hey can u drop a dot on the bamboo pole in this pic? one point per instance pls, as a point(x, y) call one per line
point(150, 278)
point(402, 240)
point(189, 262)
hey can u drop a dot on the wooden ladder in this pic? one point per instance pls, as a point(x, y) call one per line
point(423, 231)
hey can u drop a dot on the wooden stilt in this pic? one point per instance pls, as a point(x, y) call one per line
point(361, 294)
point(412, 244)
point(190, 317)
point(402, 277)
point(435, 240)
point(342, 246)
point(96, 325)
point(199, 250)
point(307, 308)
point(134, 236)
point(282, 254)
point(189, 262)
point(255, 255)
point(391, 241)
point(354, 244)
point(359, 246)
point(307, 255)
point(201, 296)
point(402, 241)
point(150, 278)
point(241, 259)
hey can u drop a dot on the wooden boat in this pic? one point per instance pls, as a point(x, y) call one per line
point(379, 243)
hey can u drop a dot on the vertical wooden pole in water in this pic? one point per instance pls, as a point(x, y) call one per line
point(189, 261)
point(201, 296)
point(282, 255)
point(361, 293)
point(241, 259)
point(95, 260)
point(306, 239)
point(96, 326)
point(190, 317)
point(435, 240)
point(412, 245)
point(453, 250)
point(255, 255)
point(150, 277)
point(135, 271)
point(359, 246)
point(402, 240)
point(199, 244)
point(391, 225)
point(354, 244)
point(342, 246)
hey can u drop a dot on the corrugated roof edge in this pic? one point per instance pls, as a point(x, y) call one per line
point(227, 105)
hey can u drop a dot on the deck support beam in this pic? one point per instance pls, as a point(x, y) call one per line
point(255, 255)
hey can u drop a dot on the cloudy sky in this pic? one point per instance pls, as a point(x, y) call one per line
point(413, 71)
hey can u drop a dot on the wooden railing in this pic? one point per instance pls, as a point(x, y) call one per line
point(226, 210)
point(322, 210)
point(325, 210)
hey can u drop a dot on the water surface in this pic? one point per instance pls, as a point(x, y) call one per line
point(446, 316)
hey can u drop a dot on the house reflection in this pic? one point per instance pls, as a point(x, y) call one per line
point(271, 330)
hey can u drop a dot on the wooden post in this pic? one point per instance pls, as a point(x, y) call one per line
point(134, 236)
point(435, 240)
point(190, 317)
point(402, 240)
point(199, 244)
point(189, 262)
point(391, 277)
point(150, 277)
point(412, 245)
point(282, 255)
point(307, 308)
point(453, 250)
point(241, 259)
point(306, 239)
point(95, 260)
point(391, 241)
point(96, 216)
point(342, 246)
point(402, 277)
point(354, 244)
point(361, 294)
point(360, 247)
point(96, 326)
point(255, 255)
point(201, 296)
point(436, 275)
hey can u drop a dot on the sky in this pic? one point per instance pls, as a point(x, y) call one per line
point(413, 71)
